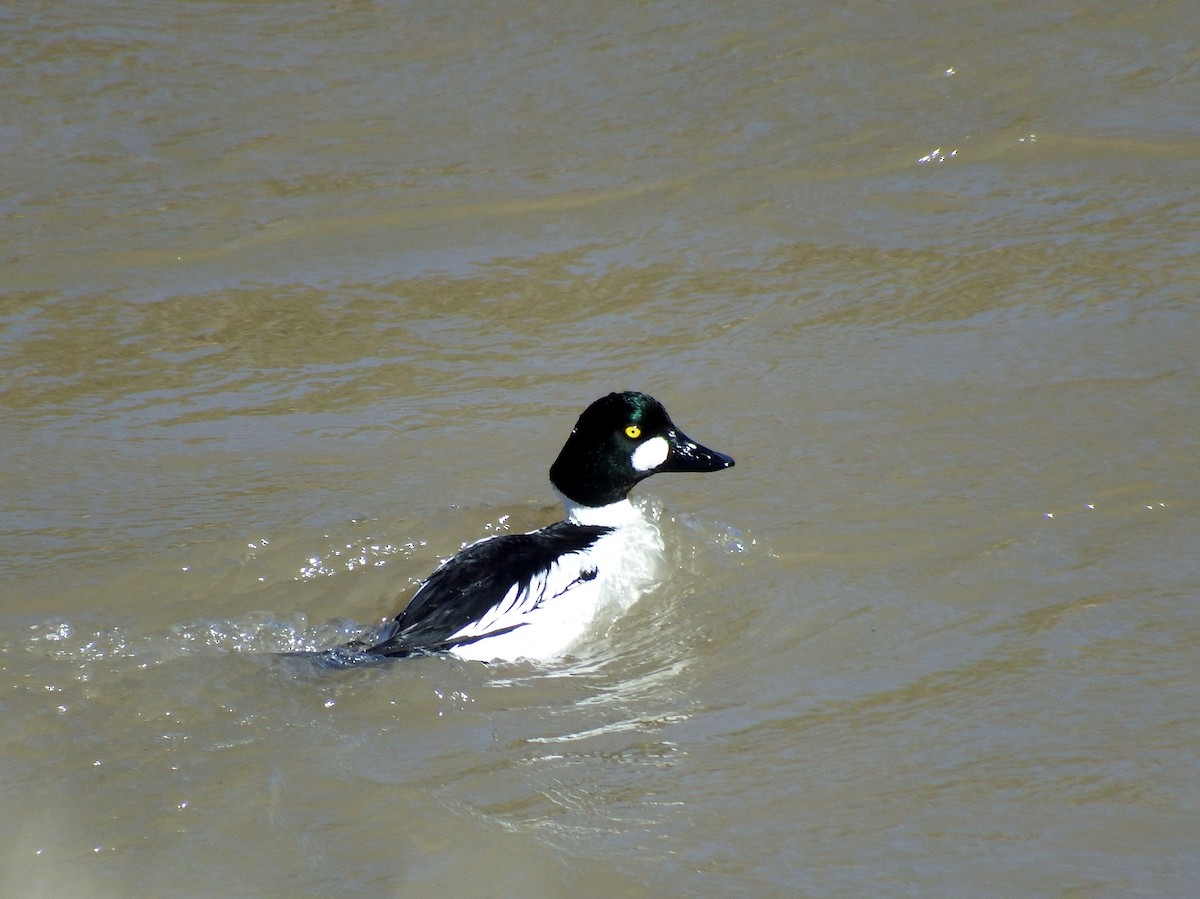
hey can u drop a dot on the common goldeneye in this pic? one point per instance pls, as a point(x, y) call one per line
point(532, 596)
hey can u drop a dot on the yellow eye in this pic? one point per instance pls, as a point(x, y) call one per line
point(633, 432)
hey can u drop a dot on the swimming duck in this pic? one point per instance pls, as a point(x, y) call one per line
point(534, 595)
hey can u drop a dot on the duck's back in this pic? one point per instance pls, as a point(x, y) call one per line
point(495, 587)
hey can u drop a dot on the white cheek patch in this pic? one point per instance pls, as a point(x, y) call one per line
point(650, 454)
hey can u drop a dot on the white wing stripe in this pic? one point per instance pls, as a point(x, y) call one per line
point(519, 602)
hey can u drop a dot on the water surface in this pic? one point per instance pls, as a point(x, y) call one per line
point(296, 300)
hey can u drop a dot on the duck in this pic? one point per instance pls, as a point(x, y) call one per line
point(533, 596)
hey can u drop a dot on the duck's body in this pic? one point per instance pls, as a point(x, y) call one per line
point(534, 595)
point(527, 596)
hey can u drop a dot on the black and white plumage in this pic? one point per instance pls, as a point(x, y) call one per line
point(533, 595)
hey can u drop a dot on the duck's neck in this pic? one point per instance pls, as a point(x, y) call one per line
point(613, 515)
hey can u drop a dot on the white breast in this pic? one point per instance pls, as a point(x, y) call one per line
point(562, 605)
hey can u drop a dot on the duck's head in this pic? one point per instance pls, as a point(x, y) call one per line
point(619, 440)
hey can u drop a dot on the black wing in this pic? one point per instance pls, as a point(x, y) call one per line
point(466, 587)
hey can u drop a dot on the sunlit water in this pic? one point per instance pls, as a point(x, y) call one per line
point(298, 299)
